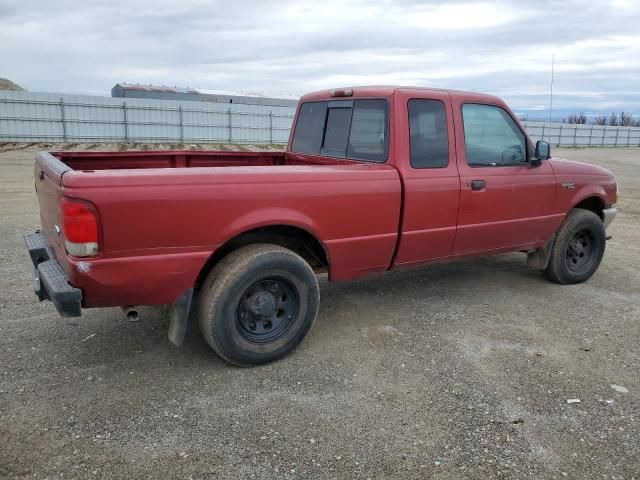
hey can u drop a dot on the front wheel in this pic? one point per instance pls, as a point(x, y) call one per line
point(257, 304)
point(577, 248)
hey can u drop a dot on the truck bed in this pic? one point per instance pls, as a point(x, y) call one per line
point(160, 221)
point(184, 159)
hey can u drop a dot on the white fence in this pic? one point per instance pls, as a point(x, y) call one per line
point(39, 117)
point(571, 135)
point(47, 117)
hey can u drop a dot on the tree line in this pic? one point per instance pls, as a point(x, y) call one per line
point(615, 120)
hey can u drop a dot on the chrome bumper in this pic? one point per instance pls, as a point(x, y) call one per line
point(608, 214)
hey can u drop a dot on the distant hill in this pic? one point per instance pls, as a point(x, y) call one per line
point(9, 85)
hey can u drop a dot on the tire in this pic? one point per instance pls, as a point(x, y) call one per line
point(257, 304)
point(578, 248)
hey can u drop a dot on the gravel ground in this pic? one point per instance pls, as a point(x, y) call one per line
point(460, 370)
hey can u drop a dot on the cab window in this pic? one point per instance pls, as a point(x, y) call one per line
point(428, 142)
point(491, 137)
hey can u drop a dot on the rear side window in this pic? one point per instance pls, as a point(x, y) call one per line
point(369, 132)
point(309, 128)
point(354, 129)
point(491, 137)
point(428, 141)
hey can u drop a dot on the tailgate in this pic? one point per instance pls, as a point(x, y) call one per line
point(48, 178)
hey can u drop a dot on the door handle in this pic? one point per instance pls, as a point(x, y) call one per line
point(477, 184)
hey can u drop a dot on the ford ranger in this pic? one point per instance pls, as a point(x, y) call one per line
point(373, 179)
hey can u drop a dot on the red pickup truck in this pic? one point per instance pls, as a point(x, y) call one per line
point(373, 179)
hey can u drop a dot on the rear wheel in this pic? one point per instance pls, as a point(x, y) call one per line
point(577, 248)
point(258, 303)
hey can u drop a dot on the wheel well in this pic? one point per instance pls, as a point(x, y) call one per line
point(594, 204)
point(293, 238)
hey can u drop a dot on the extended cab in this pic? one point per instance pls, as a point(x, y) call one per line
point(373, 179)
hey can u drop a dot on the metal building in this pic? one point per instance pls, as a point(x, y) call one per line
point(127, 90)
point(154, 92)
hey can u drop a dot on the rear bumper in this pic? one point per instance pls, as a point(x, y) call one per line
point(50, 280)
point(608, 214)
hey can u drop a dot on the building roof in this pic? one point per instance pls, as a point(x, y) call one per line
point(155, 88)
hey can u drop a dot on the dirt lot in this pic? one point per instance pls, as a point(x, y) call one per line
point(451, 371)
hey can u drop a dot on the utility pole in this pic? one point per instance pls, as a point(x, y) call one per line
point(551, 94)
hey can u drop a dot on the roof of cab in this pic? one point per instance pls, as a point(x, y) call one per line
point(389, 90)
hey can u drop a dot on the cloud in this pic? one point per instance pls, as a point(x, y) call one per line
point(462, 16)
point(291, 47)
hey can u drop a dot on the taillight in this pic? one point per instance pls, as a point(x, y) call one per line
point(79, 228)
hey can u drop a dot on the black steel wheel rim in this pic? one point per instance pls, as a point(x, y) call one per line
point(267, 309)
point(580, 249)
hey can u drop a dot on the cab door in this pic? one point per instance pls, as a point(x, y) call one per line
point(426, 158)
point(505, 201)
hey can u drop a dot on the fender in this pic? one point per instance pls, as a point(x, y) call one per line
point(266, 217)
point(269, 217)
point(272, 217)
point(587, 191)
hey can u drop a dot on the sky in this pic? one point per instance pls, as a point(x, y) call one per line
point(291, 47)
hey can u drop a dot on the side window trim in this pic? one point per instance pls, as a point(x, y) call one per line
point(512, 124)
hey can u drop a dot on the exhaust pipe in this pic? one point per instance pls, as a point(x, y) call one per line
point(131, 313)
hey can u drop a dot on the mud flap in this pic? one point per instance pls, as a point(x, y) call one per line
point(540, 258)
point(180, 317)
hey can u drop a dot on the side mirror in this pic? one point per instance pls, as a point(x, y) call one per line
point(543, 150)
